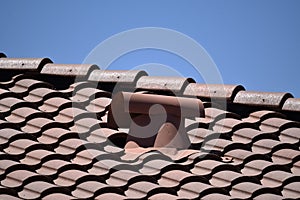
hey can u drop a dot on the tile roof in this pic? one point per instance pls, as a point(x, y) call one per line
point(65, 134)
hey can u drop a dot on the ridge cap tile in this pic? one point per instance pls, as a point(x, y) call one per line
point(292, 104)
point(117, 76)
point(174, 85)
point(213, 91)
point(71, 70)
point(255, 98)
point(24, 64)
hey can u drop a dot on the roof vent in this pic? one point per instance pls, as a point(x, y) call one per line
point(153, 120)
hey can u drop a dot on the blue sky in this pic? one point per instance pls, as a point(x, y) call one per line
point(255, 43)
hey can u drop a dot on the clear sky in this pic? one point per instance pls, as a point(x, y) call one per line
point(255, 43)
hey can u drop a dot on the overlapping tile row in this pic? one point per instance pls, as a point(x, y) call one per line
point(55, 142)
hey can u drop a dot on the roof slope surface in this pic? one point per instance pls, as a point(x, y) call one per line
point(58, 139)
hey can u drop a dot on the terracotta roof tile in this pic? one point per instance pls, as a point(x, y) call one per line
point(292, 104)
point(38, 189)
point(278, 178)
point(90, 189)
point(174, 84)
point(58, 140)
point(291, 190)
point(68, 70)
point(261, 98)
point(33, 64)
point(250, 190)
point(212, 91)
point(122, 77)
